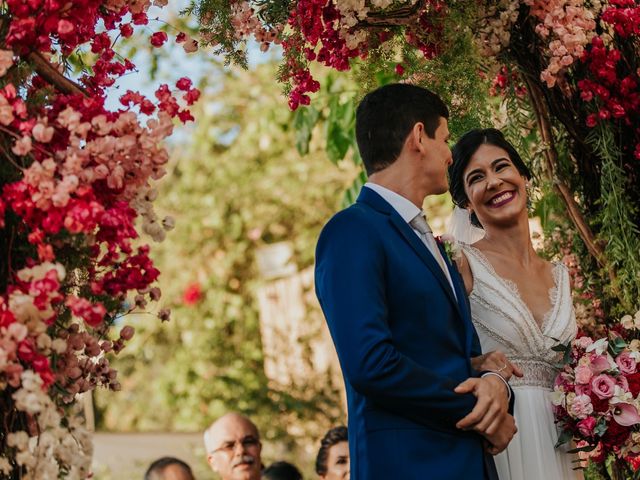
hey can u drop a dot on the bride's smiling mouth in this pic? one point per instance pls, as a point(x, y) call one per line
point(501, 199)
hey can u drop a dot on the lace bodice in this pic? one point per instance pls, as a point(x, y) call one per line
point(504, 321)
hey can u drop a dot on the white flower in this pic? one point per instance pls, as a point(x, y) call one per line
point(18, 440)
point(599, 346)
point(39, 271)
point(59, 345)
point(558, 397)
point(620, 396)
point(627, 322)
point(5, 466)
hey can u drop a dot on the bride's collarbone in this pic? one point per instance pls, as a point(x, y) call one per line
point(533, 283)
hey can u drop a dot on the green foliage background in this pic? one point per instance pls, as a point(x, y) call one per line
point(236, 183)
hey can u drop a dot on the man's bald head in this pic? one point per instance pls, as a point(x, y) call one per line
point(233, 447)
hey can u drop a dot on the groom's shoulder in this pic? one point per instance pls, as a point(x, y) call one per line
point(356, 218)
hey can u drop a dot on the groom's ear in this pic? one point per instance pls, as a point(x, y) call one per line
point(418, 135)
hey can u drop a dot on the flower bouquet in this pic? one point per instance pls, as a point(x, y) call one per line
point(596, 399)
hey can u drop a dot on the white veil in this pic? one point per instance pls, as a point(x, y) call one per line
point(461, 229)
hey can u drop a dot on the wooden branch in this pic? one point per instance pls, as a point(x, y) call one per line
point(551, 160)
point(47, 71)
point(573, 209)
point(393, 18)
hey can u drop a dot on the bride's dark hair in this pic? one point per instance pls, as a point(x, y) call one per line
point(462, 152)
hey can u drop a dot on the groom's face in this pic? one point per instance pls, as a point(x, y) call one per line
point(436, 159)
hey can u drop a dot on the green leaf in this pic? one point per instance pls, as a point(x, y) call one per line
point(564, 437)
point(617, 345)
point(304, 119)
point(601, 427)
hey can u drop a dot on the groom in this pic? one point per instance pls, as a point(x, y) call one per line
point(398, 312)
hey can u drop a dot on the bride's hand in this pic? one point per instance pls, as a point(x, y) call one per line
point(496, 361)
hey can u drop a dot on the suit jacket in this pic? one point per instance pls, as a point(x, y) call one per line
point(404, 342)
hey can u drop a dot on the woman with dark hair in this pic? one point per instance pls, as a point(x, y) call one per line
point(520, 303)
point(332, 462)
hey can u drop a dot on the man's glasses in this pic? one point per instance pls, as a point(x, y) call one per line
point(246, 442)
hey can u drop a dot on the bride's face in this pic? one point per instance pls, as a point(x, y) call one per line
point(495, 189)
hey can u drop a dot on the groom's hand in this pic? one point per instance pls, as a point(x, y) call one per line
point(499, 440)
point(491, 407)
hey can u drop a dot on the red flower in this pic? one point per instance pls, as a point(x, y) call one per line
point(183, 84)
point(158, 39)
point(634, 383)
point(399, 70)
point(126, 30)
point(615, 435)
point(192, 294)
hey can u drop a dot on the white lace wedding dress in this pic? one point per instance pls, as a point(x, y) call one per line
point(504, 322)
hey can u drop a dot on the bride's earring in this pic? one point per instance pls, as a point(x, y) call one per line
point(528, 189)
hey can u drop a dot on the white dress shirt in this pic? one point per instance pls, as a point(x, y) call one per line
point(408, 211)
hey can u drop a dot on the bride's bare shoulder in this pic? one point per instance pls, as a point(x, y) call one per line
point(462, 262)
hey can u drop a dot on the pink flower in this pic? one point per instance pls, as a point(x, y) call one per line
point(584, 342)
point(6, 61)
point(22, 146)
point(65, 27)
point(583, 374)
point(626, 414)
point(603, 386)
point(41, 133)
point(626, 363)
point(580, 407)
point(599, 363)
point(586, 426)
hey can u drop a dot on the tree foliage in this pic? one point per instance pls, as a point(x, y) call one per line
point(237, 184)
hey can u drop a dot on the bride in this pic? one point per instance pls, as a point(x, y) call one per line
point(520, 303)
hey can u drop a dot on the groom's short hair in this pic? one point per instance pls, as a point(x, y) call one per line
point(386, 116)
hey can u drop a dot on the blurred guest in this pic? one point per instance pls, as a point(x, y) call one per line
point(169, 468)
point(332, 462)
point(233, 448)
point(281, 471)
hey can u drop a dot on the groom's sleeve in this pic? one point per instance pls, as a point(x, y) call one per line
point(350, 284)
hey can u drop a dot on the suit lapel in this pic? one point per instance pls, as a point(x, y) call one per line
point(461, 294)
point(375, 201)
point(423, 252)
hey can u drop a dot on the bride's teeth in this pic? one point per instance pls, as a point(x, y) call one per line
point(501, 198)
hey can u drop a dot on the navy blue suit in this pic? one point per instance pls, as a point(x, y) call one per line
point(404, 343)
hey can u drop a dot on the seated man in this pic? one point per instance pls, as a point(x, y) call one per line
point(233, 448)
point(169, 468)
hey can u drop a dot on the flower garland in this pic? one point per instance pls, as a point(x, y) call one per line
point(77, 179)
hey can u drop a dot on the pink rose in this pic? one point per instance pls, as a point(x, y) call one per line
point(580, 407)
point(603, 386)
point(626, 363)
point(599, 363)
point(583, 374)
point(584, 342)
point(586, 426)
